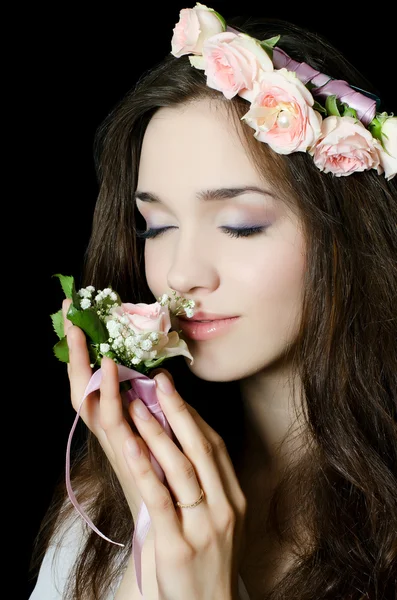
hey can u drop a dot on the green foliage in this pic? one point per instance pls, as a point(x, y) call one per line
point(67, 283)
point(61, 350)
point(87, 319)
point(57, 323)
point(89, 322)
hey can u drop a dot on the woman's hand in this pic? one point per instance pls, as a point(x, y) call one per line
point(80, 373)
point(197, 550)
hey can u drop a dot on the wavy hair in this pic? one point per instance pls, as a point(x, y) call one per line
point(345, 353)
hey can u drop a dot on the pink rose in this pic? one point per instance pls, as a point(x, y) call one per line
point(195, 25)
point(345, 146)
point(281, 113)
point(232, 62)
point(144, 318)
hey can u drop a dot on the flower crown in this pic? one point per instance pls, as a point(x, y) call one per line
point(293, 107)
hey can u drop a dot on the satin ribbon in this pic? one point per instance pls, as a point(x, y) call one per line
point(363, 102)
point(144, 388)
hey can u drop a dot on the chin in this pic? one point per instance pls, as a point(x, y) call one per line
point(222, 367)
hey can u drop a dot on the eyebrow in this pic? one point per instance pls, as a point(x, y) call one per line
point(224, 193)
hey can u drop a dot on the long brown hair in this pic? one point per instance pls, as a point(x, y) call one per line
point(345, 353)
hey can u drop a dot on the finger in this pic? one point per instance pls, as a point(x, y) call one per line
point(155, 495)
point(113, 418)
point(204, 448)
point(80, 373)
point(180, 474)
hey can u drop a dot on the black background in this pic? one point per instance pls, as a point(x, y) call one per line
point(71, 68)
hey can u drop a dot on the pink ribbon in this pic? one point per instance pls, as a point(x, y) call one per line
point(144, 388)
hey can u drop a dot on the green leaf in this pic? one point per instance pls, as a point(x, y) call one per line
point(331, 105)
point(375, 128)
point(347, 111)
point(317, 106)
point(57, 323)
point(271, 42)
point(222, 20)
point(61, 350)
point(89, 322)
point(67, 283)
point(151, 364)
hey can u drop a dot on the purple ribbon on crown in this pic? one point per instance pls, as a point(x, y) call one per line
point(361, 101)
point(324, 86)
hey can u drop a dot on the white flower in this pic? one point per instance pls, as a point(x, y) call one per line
point(164, 299)
point(85, 292)
point(104, 348)
point(113, 328)
point(388, 150)
point(146, 345)
point(85, 303)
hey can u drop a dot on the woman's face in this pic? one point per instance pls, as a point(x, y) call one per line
point(189, 153)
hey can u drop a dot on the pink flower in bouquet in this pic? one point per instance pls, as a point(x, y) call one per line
point(143, 318)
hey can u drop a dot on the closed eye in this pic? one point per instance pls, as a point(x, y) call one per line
point(231, 231)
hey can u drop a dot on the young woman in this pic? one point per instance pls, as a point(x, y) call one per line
point(258, 181)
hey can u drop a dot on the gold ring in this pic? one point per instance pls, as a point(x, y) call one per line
point(200, 499)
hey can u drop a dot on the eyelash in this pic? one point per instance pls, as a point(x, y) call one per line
point(236, 232)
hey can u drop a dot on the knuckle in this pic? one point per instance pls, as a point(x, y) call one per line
point(188, 470)
point(242, 504)
point(181, 406)
point(206, 447)
point(164, 502)
point(219, 443)
point(208, 539)
point(227, 520)
point(107, 422)
point(159, 431)
point(182, 554)
point(184, 468)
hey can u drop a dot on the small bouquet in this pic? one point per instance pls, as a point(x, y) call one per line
point(138, 336)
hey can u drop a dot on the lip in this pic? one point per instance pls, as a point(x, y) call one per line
point(205, 316)
point(206, 331)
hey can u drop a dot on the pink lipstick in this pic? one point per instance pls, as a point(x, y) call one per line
point(205, 326)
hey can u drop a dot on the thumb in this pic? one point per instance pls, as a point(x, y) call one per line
point(166, 373)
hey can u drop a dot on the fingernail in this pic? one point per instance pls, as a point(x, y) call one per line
point(164, 383)
point(140, 409)
point(133, 448)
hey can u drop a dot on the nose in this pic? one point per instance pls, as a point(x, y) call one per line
point(193, 269)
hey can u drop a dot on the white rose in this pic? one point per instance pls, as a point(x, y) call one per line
point(195, 25)
point(388, 150)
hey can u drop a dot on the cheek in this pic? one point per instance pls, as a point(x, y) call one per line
point(273, 279)
point(156, 265)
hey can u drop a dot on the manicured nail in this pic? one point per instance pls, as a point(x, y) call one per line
point(140, 409)
point(164, 383)
point(133, 448)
